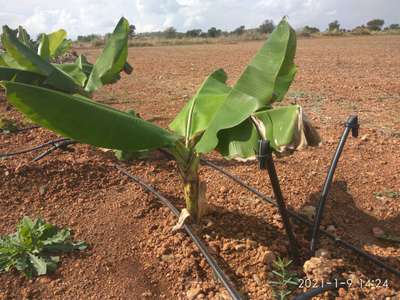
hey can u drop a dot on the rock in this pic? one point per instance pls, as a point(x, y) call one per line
point(364, 137)
point(223, 189)
point(193, 292)
point(342, 292)
point(250, 244)
point(240, 247)
point(321, 269)
point(167, 257)
point(331, 229)
point(378, 232)
point(322, 253)
point(257, 279)
point(308, 211)
point(267, 258)
point(42, 190)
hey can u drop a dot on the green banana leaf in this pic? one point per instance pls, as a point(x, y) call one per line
point(56, 40)
point(196, 115)
point(44, 47)
point(84, 65)
point(85, 121)
point(265, 80)
point(112, 60)
point(29, 61)
point(11, 74)
point(64, 47)
point(74, 71)
point(25, 38)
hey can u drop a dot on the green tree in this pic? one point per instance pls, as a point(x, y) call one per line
point(334, 26)
point(309, 29)
point(132, 29)
point(214, 32)
point(193, 33)
point(375, 24)
point(394, 26)
point(240, 30)
point(267, 26)
point(170, 32)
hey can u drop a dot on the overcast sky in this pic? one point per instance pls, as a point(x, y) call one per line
point(81, 17)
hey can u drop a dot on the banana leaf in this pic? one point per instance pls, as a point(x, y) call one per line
point(44, 47)
point(29, 61)
point(25, 38)
point(112, 60)
point(286, 128)
point(196, 115)
point(11, 74)
point(85, 121)
point(265, 80)
point(57, 43)
point(74, 71)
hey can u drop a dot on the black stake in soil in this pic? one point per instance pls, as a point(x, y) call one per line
point(267, 162)
point(351, 124)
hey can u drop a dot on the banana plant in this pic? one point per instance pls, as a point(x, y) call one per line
point(22, 62)
point(228, 119)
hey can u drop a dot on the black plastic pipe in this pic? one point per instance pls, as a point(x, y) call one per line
point(266, 161)
point(52, 142)
point(315, 292)
point(351, 125)
point(199, 243)
point(59, 145)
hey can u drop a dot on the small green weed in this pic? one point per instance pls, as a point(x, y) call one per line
point(31, 249)
point(284, 281)
point(8, 126)
point(387, 193)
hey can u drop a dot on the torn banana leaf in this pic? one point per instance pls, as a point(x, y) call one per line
point(286, 128)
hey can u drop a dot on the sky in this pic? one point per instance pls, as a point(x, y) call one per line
point(82, 17)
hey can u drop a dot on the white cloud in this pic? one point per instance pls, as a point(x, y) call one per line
point(80, 17)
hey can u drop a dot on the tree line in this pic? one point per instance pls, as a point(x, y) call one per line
point(265, 27)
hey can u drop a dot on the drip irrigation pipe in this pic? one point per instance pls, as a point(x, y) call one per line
point(61, 145)
point(351, 125)
point(199, 243)
point(306, 221)
point(315, 292)
point(52, 142)
point(27, 128)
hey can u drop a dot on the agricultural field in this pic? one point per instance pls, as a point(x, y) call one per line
point(133, 253)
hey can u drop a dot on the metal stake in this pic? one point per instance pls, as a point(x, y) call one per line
point(351, 124)
point(267, 162)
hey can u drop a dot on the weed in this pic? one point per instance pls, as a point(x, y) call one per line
point(284, 281)
point(31, 249)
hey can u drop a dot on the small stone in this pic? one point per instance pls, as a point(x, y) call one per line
point(331, 229)
point(267, 257)
point(167, 257)
point(364, 137)
point(147, 294)
point(378, 232)
point(223, 189)
point(342, 292)
point(250, 244)
point(257, 279)
point(322, 253)
point(42, 190)
point(192, 293)
point(308, 211)
point(240, 247)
